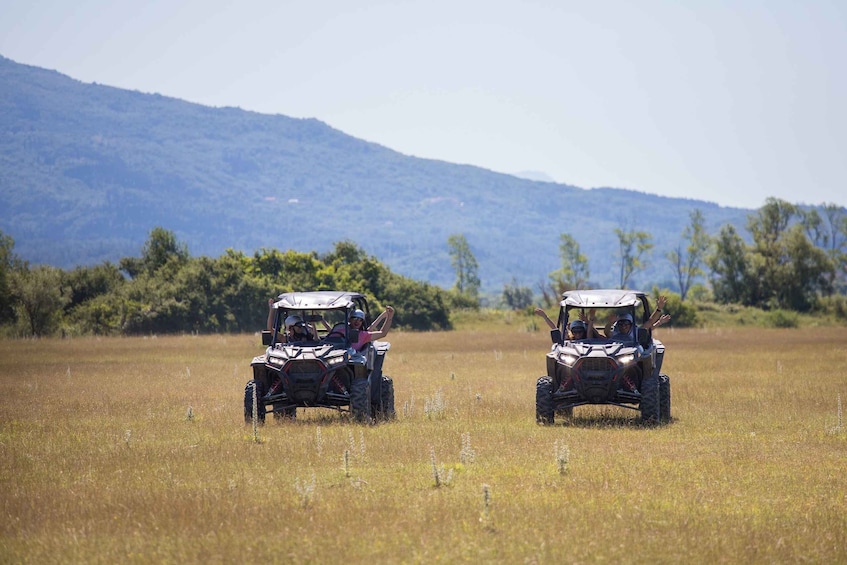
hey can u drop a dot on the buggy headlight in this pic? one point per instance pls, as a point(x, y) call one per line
point(567, 359)
point(335, 361)
point(624, 359)
point(276, 360)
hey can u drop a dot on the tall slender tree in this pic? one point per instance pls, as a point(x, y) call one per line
point(728, 264)
point(632, 248)
point(688, 262)
point(464, 263)
point(574, 271)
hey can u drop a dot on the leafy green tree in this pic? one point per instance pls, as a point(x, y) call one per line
point(574, 271)
point(160, 250)
point(788, 269)
point(829, 232)
point(464, 263)
point(349, 267)
point(688, 262)
point(101, 315)
point(418, 305)
point(806, 273)
point(516, 296)
point(39, 298)
point(289, 271)
point(782, 268)
point(632, 248)
point(728, 264)
point(8, 263)
point(767, 227)
point(87, 283)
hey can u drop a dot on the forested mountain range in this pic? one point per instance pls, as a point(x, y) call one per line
point(87, 171)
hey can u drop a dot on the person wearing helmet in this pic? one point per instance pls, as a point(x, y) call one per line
point(296, 329)
point(578, 330)
point(622, 328)
point(377, 330)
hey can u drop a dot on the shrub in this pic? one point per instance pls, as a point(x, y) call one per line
point(835, 305)
point(782, 319)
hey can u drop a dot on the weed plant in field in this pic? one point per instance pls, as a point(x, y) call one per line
point(467, 453)
point(485, 516)
point(441, 476)
point(563, 456)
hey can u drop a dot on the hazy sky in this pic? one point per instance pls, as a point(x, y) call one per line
point(717, 100)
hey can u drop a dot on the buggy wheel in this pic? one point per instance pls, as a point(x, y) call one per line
point(664, 399)
point(544, 401)
point(650, 399)
point(383, 409)
point(360, 400)
point(248, 402)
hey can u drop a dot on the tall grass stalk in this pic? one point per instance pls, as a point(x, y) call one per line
point(563, 456)
point(440, 475)
point(255, 415)
point(485, 517)
point(305, 490)
point(467, 454)
point(319, 441)
point(435, 406)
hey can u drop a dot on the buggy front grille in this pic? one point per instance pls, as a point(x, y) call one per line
point(596, 365)
point(300, 371)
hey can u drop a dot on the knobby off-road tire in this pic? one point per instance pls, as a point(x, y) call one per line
point(544, 401)
point(360, 400)
point(650, 399)
point(383, 409)
point(248, 402)
point(664, 399)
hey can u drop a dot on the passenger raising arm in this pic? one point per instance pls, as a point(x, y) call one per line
point(540, 312)
point(380, 326)
point(652, 322)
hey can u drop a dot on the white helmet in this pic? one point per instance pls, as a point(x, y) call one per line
point(291, 320)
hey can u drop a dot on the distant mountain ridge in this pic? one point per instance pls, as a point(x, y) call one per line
point(86, 171)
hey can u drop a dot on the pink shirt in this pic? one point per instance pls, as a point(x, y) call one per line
point(364, 339)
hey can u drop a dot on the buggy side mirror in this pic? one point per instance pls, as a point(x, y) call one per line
point(267, 337)
point(556, 335)
point(644, 338)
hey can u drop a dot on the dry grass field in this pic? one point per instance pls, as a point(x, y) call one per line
point(135, 450)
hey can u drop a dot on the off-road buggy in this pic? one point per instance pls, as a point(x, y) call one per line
point(605, 367)
point(321, 368)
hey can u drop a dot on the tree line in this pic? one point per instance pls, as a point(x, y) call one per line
point(166, 290)
point(791, 259)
